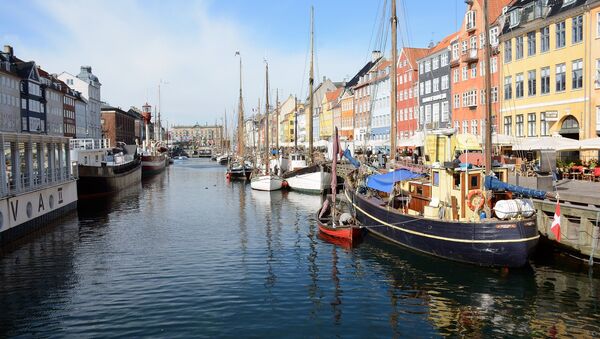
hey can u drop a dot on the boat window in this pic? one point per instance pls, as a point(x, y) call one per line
point(457, 180)
point(436, 178)
point(420, 190)
point(474, 182)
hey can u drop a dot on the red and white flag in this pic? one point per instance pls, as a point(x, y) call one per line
point(555, 228)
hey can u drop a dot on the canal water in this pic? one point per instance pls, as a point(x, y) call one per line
point(187, 254)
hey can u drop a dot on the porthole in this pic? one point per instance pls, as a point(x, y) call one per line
point(29, 209)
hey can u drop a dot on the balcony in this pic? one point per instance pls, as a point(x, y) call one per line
point(470, 56)
point(454, 62)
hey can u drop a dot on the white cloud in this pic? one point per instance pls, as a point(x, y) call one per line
point(131, 45)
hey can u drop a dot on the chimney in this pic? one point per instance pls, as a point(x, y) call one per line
point(8, 50)
point(375, 55)
point(86, 69)
point(324, 78)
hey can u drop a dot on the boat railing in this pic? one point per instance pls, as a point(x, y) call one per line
point(414, 167)
point(38, 179)
point(89, 144)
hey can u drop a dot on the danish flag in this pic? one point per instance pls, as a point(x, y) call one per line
point(555, 228)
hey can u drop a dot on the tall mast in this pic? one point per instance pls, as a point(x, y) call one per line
point(240, 131)
point(311, 79)
point(159, 138)
point(277, 121)
point(267, 116)
point(295, 123)
point(393, 127)
point(226, 132)
point(488, 97)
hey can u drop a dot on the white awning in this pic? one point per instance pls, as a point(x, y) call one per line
point(557, 143)
point(417, 140)
point(589, 144)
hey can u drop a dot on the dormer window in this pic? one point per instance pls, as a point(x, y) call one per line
point(567, 2)
point(470, 18)
point(514, 18)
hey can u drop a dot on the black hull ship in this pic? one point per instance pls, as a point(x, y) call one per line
point(495, 243)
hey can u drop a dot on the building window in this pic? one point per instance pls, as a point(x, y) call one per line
point(494, 94)
point(427, 86)
point(445, 82)
point(519, 125)
point(508, 87)
point(473, 71)
point(508, 50)
point(436, 85)
point(494, 36)
point(519, 48)
point(436, 63)
point(519, 85)
point(473, 44)
point(545, 39)
point(577, 67)
point(457, 126)
point(455, 51)
point(597, 73)
point(531, 43)
point(494, 65)
point(545, 80)
point(531, 83)
point(422, 88)
point(482, 99)
point(444, 60)
point(456, 75)
point(474, 126)
point(577, 33)
point(445, 111)
point(543, 124)
point(482, 68)
point(436, 112)
point(481, 40)
point(465, 126)
point(531, 125)
point(598, 25)
point(427, 113)
point(456, 101)
point(427, 66)
point(560, 34)
point(470, 16)
point(465, 73)
point(463, 49)
point(561, 77)
point(420, 68)
point(508, 125)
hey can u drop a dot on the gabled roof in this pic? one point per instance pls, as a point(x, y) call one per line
point(444, 43)
point(362, 72)
point(27, 69)
point(332, 95)
point(413, 54)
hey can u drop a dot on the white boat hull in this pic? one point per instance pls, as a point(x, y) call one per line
point(266, 183)
point(315, 182)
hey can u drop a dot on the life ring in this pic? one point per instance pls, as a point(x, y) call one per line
point(475, 200)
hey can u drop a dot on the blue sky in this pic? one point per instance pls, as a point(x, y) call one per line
point(191, 44)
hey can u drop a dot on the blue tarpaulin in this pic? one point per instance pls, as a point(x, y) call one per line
point(385, 182)
point(353, 161)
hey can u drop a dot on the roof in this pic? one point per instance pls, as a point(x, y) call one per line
point(362, 72)
point(332, 95)
point(553, 8)
point(413, 54)
point(444, 43)
point(495, 8)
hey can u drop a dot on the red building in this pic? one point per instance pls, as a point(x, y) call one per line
point(408, 90)
point(468, 67)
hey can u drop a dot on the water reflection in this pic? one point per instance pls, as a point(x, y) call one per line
point(186, 253)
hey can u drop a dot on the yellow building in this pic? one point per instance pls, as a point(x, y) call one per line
point(330, 100)
point(593, 67)
point(544, 85)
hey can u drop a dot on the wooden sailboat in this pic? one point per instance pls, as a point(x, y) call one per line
point(238, 168)
point(306, 176)
point(266, 181)
point(446, 211)
point(329, 219)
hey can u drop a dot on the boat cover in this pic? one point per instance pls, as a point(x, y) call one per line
point(494, 184)
point(350, 158)
point(385, 182)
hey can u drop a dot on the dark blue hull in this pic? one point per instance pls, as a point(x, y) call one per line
point(494, 243)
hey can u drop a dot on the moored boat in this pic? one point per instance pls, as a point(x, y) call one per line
point(309, 179)
point(347, 230)
point(153, 163)
point(266, 182)
point(102, 169)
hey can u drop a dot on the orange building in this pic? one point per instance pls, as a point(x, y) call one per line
point(408, 89)
point(468, 67)
point(347, 105)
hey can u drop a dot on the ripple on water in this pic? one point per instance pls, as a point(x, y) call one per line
point(188, 254)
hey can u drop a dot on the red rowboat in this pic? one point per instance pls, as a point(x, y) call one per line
point(351, 232)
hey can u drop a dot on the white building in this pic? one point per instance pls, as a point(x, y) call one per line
point(88, 85)
point(54, 103)
point(10, 108)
